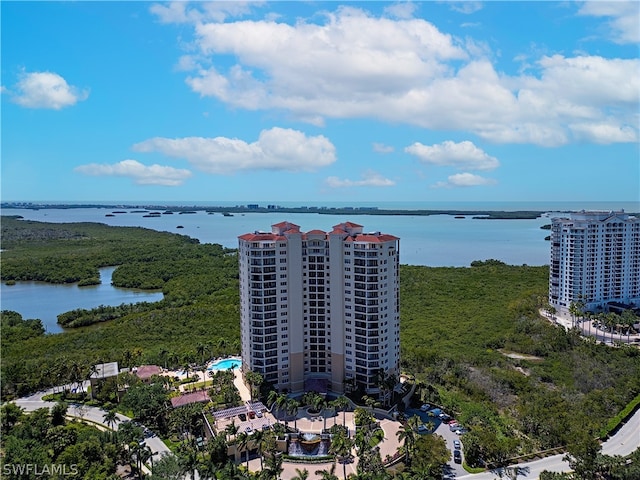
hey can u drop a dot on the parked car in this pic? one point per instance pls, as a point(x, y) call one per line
point(454, 426)
point(425, 407)
point(457, 456)
point(456, 444)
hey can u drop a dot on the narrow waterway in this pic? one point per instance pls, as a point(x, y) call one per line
point(46, 301)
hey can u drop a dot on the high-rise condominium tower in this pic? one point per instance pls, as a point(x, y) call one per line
point(595, 259)
point(320, 309)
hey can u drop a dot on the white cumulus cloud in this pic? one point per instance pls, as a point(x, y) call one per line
point(382, 148)
point(46, 90)
point(463, 155)
point(349, 63)
point(369, 179)
point(467, 7)
point(465, 180)
point(140, 173)
point(624, 18)
point(217, 11)
point(275, 149)
point(401, 9)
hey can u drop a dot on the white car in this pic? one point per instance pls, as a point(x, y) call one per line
point(456, 444)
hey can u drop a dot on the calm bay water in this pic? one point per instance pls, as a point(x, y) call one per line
point(435, 240)
point(46, 301)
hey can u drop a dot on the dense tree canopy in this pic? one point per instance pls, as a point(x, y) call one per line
point(472, 337)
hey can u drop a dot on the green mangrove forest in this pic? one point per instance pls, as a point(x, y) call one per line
point(472, 338)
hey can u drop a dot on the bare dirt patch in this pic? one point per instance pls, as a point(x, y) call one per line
point(521, 356)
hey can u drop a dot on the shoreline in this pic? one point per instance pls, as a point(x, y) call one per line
point(476, 214)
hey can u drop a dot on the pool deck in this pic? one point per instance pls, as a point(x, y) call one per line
point(187, 387)
point(305, 424)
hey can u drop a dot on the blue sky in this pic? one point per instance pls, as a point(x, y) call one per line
point(320, 101)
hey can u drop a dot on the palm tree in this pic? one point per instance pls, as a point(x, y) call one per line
point(222, 345)
point(259, 440)
point(174, 359)
point(231, 429)
point(110, 419)
point(272, 397)
point(163, 356)
point(612, 322)
point(255, 380)
point(328, 474)
point(274, 466)
point(602, 320)
point(628, 319)
point(407, 435)
point(187, 459)
point(242, 443)
point(341, 446)
point(145, 454)
point(342, 403)
point(301, 475)
point(201, 349)
point(589, 317)
point(203, 369)
point(277, 401)
point(126, 358)
point(325, 406)
point(414, 422)
point(292, 409)
point(370, 402)
point(573, 310)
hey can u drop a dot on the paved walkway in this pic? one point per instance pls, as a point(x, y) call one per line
point(309, 424)
point(91, 414)
point(588, 330)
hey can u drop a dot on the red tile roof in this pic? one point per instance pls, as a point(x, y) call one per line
point(147, 371)
point(194, 397)
point(285, 224)
point(374, 238)
point(257, 237)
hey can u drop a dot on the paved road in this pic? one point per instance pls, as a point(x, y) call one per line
point(625, 441)
point(94, 414)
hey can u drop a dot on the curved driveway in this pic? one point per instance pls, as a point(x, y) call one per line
point(93, 414)
point(625, 441)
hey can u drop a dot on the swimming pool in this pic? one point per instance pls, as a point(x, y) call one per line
point(225, 364)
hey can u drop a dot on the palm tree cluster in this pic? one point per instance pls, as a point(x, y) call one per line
point(611, 322)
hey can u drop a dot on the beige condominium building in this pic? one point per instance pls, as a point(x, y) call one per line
point(595, 260)
point(320, 310)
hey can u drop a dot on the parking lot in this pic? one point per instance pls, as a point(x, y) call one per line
point(442, 428)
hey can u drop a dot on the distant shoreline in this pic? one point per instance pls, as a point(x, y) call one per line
point(213, 209)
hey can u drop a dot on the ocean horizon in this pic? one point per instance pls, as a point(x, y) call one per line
point(428, 240)
point(509, 206)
